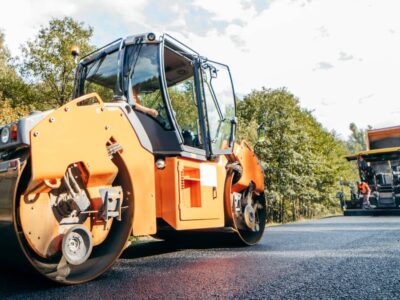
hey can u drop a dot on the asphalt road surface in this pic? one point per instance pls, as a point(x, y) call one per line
point(333, 258)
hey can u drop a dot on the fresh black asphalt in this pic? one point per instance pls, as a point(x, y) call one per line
point(333, 258)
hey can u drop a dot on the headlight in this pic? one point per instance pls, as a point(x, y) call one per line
point(5, 135)
point(151, 36)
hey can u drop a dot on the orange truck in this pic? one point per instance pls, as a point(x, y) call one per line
point(379, 167)
point(146, 147)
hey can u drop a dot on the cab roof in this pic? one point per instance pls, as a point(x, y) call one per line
point(148, 37)
point(377, 154)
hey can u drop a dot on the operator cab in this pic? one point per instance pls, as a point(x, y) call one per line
point(381, 172)
point(182, 102)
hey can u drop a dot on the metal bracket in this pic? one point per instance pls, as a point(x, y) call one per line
point(113, 148)
point(112, 202)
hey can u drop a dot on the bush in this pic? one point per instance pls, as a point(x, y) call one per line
point(9, 113)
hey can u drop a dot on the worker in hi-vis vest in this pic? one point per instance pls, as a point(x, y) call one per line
point(365, 190)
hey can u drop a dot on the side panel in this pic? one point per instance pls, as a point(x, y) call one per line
point(11, 254)
point(8, 179)
point(252, 170)
point(190, 194)
point(80, 133)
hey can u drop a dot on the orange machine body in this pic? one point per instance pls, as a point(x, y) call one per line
point(187, 194)
point(252, 170)
point(77, 181)
point(85, 132)
point(190, 194)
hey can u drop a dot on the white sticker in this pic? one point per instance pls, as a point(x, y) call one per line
point(208, 175)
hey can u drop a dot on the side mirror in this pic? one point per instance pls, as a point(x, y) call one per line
point(339, 195)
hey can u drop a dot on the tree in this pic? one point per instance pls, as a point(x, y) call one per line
point(10, 113)
point(14, 92)
point(303, 162)
point(4, 53)
point(356, 141)
point(47, 60)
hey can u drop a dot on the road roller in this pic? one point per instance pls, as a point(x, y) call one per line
point(146, 147)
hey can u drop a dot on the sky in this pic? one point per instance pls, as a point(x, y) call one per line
point(340, 58)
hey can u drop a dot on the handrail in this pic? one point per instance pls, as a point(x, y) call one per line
point(180, 43)
point(81, 100)
point(101, 48)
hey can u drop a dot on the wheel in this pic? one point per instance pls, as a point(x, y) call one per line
point(249, 213)
point(65, 246)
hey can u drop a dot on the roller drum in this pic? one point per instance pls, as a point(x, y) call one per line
point(16, 254)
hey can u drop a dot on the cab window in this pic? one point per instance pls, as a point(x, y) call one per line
point(100, 76)
point(145, 84)
point(220, 104)
point(181, 90)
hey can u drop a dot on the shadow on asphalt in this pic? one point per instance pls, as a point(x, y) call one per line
point(376, 212)
point(183, 241)
point(14, 282)
point(334, 225)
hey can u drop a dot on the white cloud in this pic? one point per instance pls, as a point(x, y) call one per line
point(285, 45)
point(227, 10)
point(21, 20)
point(280, 46)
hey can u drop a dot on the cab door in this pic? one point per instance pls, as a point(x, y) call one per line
point(199, 191)
point(220, 110)
point(191, 186)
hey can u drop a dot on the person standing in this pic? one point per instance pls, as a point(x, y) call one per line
point(365, 190)
point(363, 167)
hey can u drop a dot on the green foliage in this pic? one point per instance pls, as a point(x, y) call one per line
point(9, 113)
point(47, 69)
point(14, 92)
point(303, 162)
point(356, 141)
point(47, 60)
point(4, 53)
point(12, 87)
point(183, 103)
point(105, 93)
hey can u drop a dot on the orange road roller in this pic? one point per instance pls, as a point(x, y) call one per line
point(146, 147)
